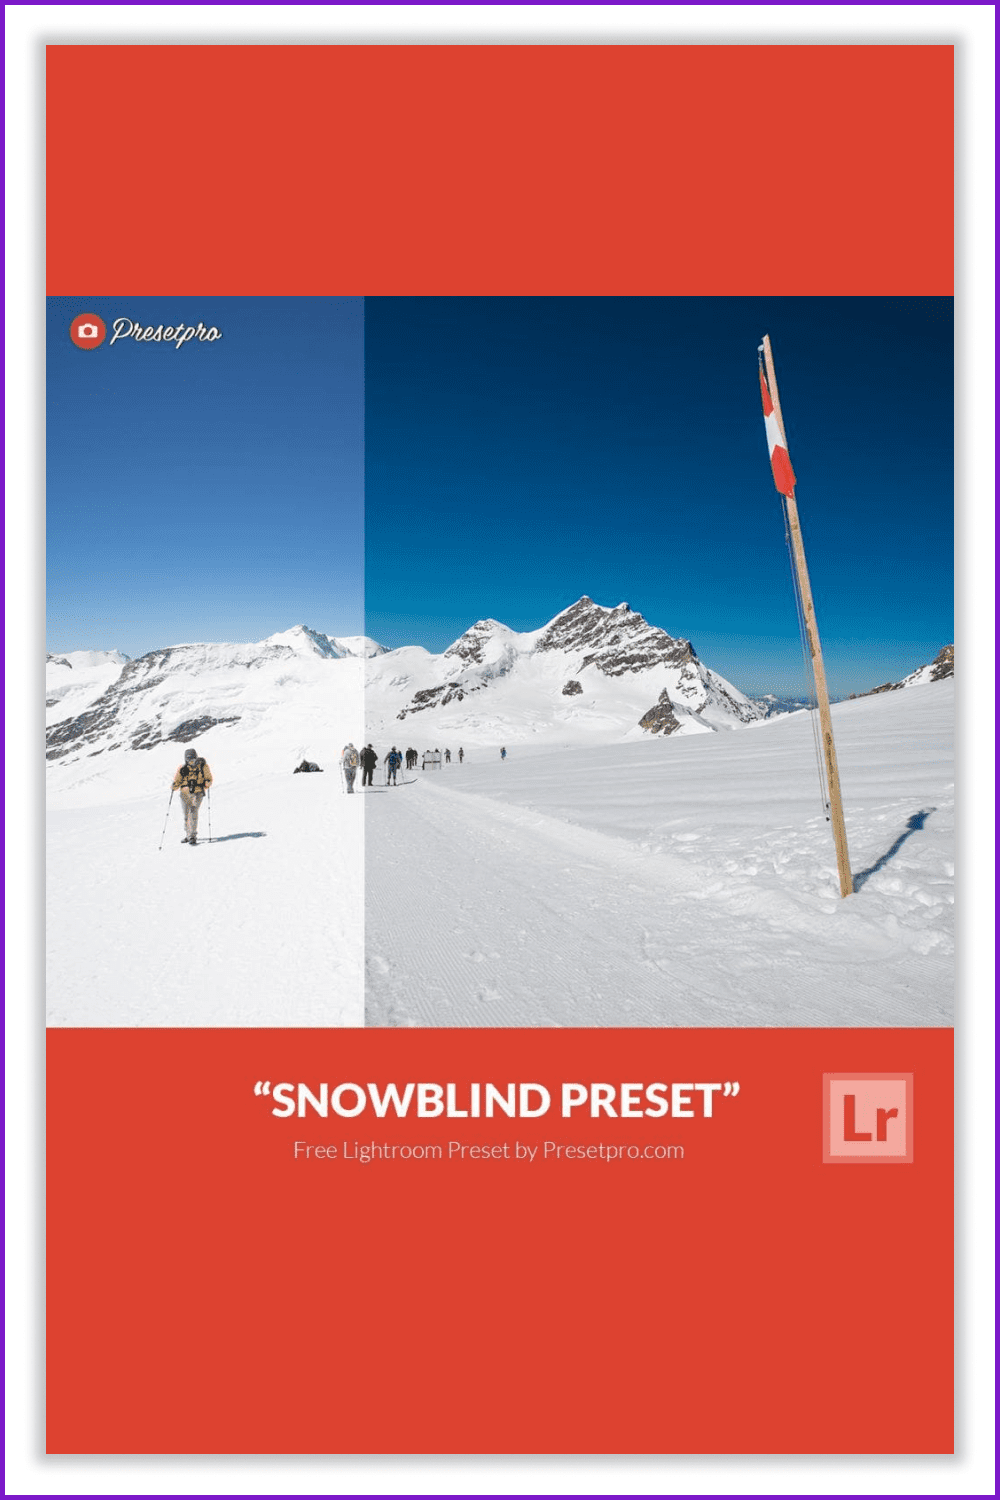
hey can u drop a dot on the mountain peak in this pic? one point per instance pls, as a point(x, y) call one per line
point(615, 640)
point(485, 641)
point(304, 638)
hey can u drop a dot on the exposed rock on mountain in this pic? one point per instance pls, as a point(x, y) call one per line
point(590, 672)
point(941, 667)
point(609, 664)
point(612, 640)
point(180, 692)
point(660, 719)
point(943, 664)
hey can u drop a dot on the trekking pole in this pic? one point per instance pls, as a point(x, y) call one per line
point(209, 814)
point(164, 833)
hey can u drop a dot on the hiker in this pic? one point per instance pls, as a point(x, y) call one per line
point(503, 752)
point(349, 766)
point(393, 760)
point(369, 760)
point(193, 778)
point(447, 757)
point(461, 755)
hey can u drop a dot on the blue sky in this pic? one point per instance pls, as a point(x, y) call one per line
point(408, 466)
point(211, 493)
point(522, 452)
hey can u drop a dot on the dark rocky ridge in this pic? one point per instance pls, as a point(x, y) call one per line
point(615, 641)
point(470, 648)
point(941, 667)
point(661, 718)
point(141, 676)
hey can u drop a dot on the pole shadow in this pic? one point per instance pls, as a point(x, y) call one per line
point(227, 838)
point(913, 825)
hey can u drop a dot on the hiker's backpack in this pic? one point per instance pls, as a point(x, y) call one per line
point(193, 775)
point(352, 759)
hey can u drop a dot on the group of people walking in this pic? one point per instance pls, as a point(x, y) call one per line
point(193, 776)
point(352, 759)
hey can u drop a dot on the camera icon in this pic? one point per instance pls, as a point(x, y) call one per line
point(87, 331)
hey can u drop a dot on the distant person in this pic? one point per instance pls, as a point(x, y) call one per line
point(461, 755)
point(447, 757)
point(307, 765)
point(503, 752)
point(393, 762)
point(369, 760)
point(349, 766)
point(193, 778)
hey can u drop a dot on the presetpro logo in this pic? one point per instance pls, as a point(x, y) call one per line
point(868, 1117)
point(87, 331)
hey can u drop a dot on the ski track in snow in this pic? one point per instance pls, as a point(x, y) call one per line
point(690, 883)
point(262, 927)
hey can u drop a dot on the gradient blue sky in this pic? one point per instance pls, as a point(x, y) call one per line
point(211, 493)
point(522, 452)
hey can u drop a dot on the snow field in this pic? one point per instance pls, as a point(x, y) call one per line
point(261, 927)
point(688, 881)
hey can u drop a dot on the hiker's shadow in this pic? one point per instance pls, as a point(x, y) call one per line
point(913, 825)
point(227, 838)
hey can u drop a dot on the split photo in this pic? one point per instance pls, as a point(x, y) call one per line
point(477, 627)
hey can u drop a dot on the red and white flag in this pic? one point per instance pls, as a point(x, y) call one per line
point(781, 464)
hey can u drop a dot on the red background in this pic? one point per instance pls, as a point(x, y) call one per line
point(206, 1292)
point(530, 170)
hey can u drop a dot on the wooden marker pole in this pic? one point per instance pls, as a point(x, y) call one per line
point(815, 651)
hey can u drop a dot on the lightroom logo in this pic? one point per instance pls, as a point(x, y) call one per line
point(867, 1117)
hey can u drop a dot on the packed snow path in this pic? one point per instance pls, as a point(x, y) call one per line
point(689, 882)
point(262, 927)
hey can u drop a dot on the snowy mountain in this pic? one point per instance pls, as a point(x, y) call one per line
point(774, 703)
point(301, 639)
point(297, 694)
point(649, 877)
point(942, 667)
point(73, 679)
point(590, 671)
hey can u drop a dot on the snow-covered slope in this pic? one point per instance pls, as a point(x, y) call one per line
point(301, 639)
point(677, 882)
point(263, 922)
point(591, 672)
point(76, 678)
point(262, 706)
point(597, 877)
point(942, 667)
